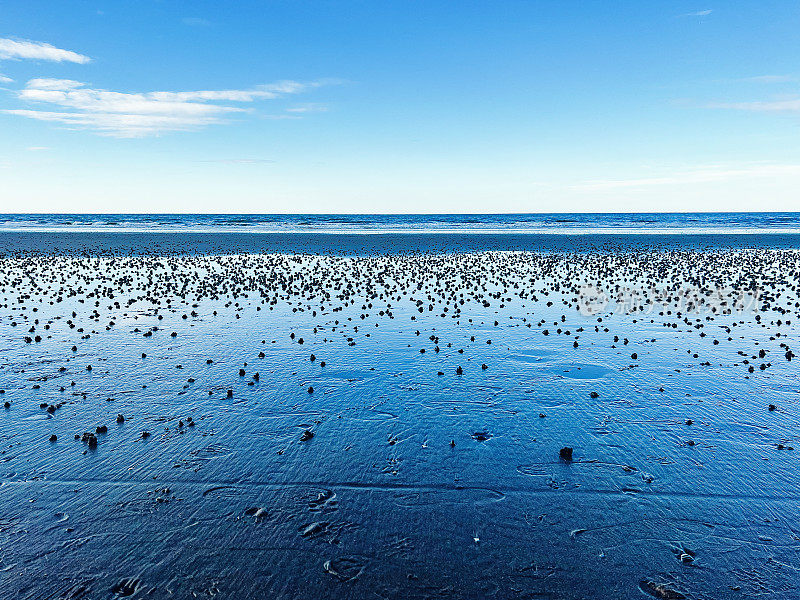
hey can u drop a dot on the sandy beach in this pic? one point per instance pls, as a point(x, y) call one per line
point(351, 418)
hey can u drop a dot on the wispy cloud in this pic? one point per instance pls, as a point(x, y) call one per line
point(240, 161)
point(698, 13)
point(46, 83)
point(702, 174)
point(308, 108)
point(4, 79)
point(773, 106)
point(122, 114)
point(22, 49)
point(769, 79)
point(119, 125)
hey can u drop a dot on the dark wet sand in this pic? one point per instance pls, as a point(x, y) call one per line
point(243, 468)
point(60, 242)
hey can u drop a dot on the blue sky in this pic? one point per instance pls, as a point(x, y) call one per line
point(387, 106)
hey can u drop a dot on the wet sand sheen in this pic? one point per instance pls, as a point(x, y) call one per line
point(393, 424)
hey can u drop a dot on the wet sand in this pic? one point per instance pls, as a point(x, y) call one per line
point(180, 242)
point(306, 417)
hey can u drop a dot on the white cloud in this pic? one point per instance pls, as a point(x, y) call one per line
point(761, 106)
point(261, 92)
point(120, 125)
point(698, 13)
point(4, 79)
point(769, 79)
point(71, 94)
point(703, 174)
point(307, 108)
point(19, 49)
point(123, 114)
point(240, 161)
point(45, 83)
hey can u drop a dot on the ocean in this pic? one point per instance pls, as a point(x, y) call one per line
point(553, 223)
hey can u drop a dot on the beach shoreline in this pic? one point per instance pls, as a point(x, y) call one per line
point(374, 243)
